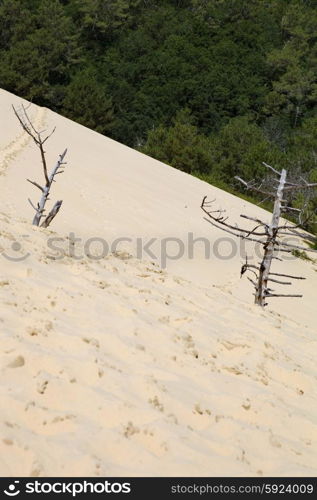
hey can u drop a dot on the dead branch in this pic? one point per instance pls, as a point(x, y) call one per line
point(221, 220)
point(35, 184)
point(301, 186)
point(52, 214)
point(254, 219)
point(295, 247)
point(293, 232)
point(252, 281)
point(251, 187)
point(281, 295)
point(280, 282)
point(233, 233)
point(32, 204)
point(288, 276)
point(277, 172)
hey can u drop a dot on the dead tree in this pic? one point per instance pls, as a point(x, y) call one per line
point(49, 178)
point(270, 235)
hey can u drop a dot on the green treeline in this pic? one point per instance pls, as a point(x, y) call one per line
point(212, 87)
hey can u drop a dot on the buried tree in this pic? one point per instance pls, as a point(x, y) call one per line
point(49, 178)
point(272, 233)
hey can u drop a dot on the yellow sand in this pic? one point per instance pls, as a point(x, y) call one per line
point(114, 366)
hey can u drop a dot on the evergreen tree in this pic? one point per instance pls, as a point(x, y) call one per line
point(101, 19)
point(294, 66)
point(240, 148)
point(37, 66)
point(180, 145)
point(87, 102)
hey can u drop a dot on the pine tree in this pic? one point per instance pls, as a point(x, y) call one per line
point(293, 67)
point(37, 65)
point(88, 103)
point(180, 145)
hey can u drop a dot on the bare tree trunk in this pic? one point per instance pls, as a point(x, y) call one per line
point(264, 272)
point(46, 191)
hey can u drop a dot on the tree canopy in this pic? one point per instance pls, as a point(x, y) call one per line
point(211, 87)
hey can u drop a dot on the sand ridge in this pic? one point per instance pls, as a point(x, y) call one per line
point(9, 151)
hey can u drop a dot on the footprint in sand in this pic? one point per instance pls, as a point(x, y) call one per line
point(17, 362)
point(42, 384)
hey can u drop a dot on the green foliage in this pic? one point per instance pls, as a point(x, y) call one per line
point(101, 19)
point(132, 69)
point(37, 65)
point(87, 102)
point(180, 145)
point(303, 146)
point(314, 247)
point(15, 21)
point(240, 148)
point(301, 254)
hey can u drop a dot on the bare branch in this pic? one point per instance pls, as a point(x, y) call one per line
point(280, 282)
point(32, 205)
point(296, 247)
point(254, 219)
point(291, 209)
point(233, 233)
point(303, 236)
point(29, 121)
point(249, 186)
point(50, 135)
point(35, 184)
point(287, 276)
point(52, 214)
point(276, 295)
point(253, 282)
point(253, 231)
point(299, 186)
point(25, 126)
point(222, 220)
point(271, 168)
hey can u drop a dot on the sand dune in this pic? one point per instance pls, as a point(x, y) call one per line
point(115, 366)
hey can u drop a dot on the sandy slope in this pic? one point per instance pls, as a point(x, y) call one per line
point(113, 366)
